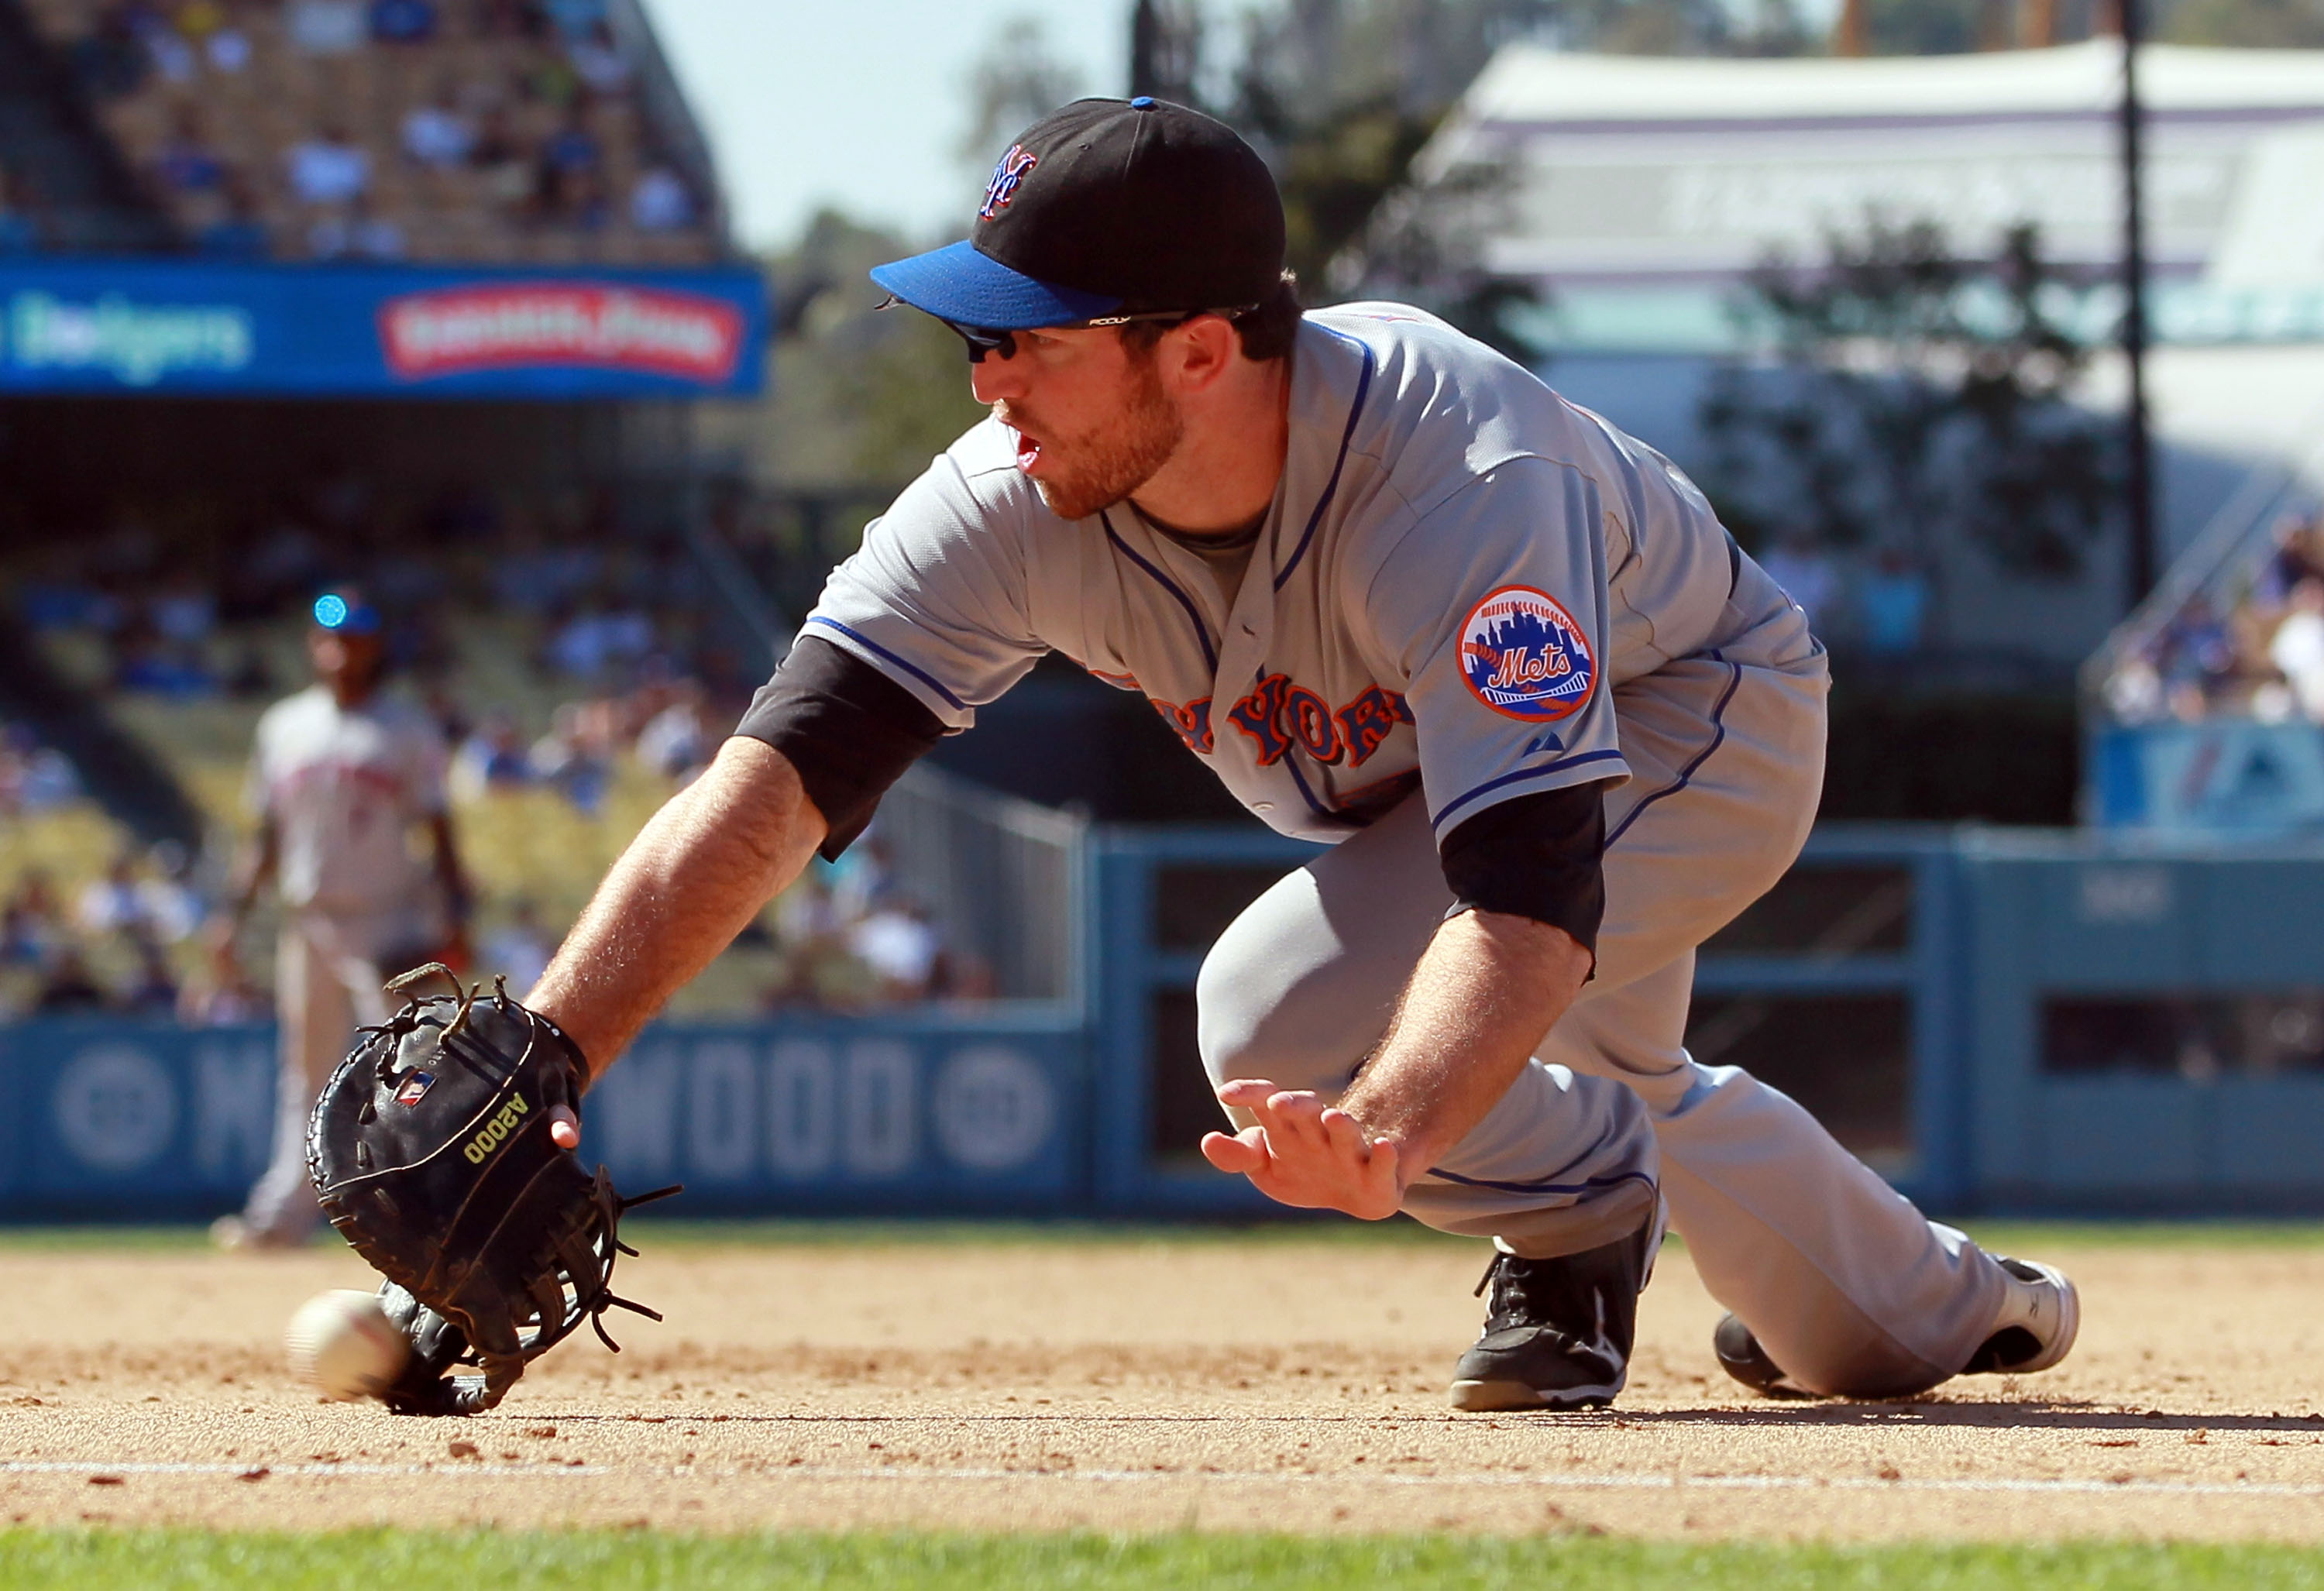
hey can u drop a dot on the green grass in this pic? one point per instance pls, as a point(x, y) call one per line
point(39, 1561)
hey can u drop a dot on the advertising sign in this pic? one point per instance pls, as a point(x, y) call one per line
point(153, 1120)
point(2221, 776)
point(378, 331)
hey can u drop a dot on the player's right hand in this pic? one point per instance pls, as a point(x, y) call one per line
point(225, 962)
point(1306, 1153)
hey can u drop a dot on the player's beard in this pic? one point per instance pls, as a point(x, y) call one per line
point(1101, 467)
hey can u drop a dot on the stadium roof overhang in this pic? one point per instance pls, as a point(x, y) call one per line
point(1531, 88)
point(200, 329)
point(1640, 191)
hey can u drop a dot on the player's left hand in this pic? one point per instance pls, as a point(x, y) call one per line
point(1306, 1153)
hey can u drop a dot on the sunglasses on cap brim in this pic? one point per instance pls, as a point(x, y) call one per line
point(982, 340)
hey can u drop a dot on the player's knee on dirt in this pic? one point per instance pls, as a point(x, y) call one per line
point(1824, 1344)
point(1867, 1371)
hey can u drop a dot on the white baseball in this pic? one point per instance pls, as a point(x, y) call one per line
point(343, 1344)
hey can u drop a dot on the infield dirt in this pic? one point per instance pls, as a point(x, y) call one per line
point(1141, 1383)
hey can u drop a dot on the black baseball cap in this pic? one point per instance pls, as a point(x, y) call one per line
point(1105, 207)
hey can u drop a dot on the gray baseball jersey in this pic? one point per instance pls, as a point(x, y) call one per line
point(1458, 572)
point(1457, 568)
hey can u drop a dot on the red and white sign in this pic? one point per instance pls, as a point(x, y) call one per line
point(649, 330)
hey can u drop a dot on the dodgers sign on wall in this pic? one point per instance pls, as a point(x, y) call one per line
point(1524, 656)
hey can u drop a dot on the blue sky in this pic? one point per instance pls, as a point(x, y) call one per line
point(860, 104)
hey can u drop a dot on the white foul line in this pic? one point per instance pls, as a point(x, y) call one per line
point(1466, 1481)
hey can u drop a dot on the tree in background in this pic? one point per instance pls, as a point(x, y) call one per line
point(2250, 24)
point(1910, 396)
point(1341, 95)
point(1338, 94)
point(1423, 244)
point(859, 394)
point(1015, 83)
point(1165, 49)
point(859, 401)
point(1954, 27)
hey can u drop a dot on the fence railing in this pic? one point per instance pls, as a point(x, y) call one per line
point(1001, 876)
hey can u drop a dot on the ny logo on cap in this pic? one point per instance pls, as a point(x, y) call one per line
point(1006, 176)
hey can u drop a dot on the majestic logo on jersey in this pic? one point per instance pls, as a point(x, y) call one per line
point(1278, 715)
point(1006, 175)
point(1524, 656)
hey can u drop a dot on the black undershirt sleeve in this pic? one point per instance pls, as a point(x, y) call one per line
point(1538, 856)
point(849, 729)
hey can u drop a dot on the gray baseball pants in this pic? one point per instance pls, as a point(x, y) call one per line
point(1845, 1284)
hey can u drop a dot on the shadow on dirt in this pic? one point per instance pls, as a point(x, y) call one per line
point(1794, 1415)
point(2030, 1414)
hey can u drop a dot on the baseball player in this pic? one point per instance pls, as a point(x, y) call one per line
point(341, 776)
point(1401, 598)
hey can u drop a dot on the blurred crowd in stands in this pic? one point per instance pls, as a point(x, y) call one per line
point(619, 621)
point(2257, 652)
point(851, 935)
point(607, 638)
point(110, 948)
point(847, 937)
point(1878, 607)
point(33, 777)
point(449, 129)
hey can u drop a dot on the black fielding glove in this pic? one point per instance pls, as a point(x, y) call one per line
point(429, 1149)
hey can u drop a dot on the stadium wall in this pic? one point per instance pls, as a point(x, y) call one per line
point(1999, 1021)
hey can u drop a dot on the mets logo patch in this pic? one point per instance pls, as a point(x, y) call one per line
point(1524, 656)
point(1006, 175)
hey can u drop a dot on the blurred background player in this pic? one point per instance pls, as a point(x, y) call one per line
point(341, 777)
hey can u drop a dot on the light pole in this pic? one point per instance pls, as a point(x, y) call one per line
point(2138, 476)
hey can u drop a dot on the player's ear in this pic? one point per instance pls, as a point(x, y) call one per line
point(1202, 351)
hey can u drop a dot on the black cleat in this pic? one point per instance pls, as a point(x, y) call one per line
point(2041, 1314)
point(1557, 1331)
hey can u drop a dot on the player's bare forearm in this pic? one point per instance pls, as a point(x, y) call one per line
point(1487, 989)
point(1487, 992)
point(700, 869)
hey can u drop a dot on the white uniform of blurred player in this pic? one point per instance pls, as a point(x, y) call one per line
point(340, 777)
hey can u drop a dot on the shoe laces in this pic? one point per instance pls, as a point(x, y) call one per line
point(1513, 1301)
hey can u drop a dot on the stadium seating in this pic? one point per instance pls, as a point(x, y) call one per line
point(471, 131)
point(574, 632)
